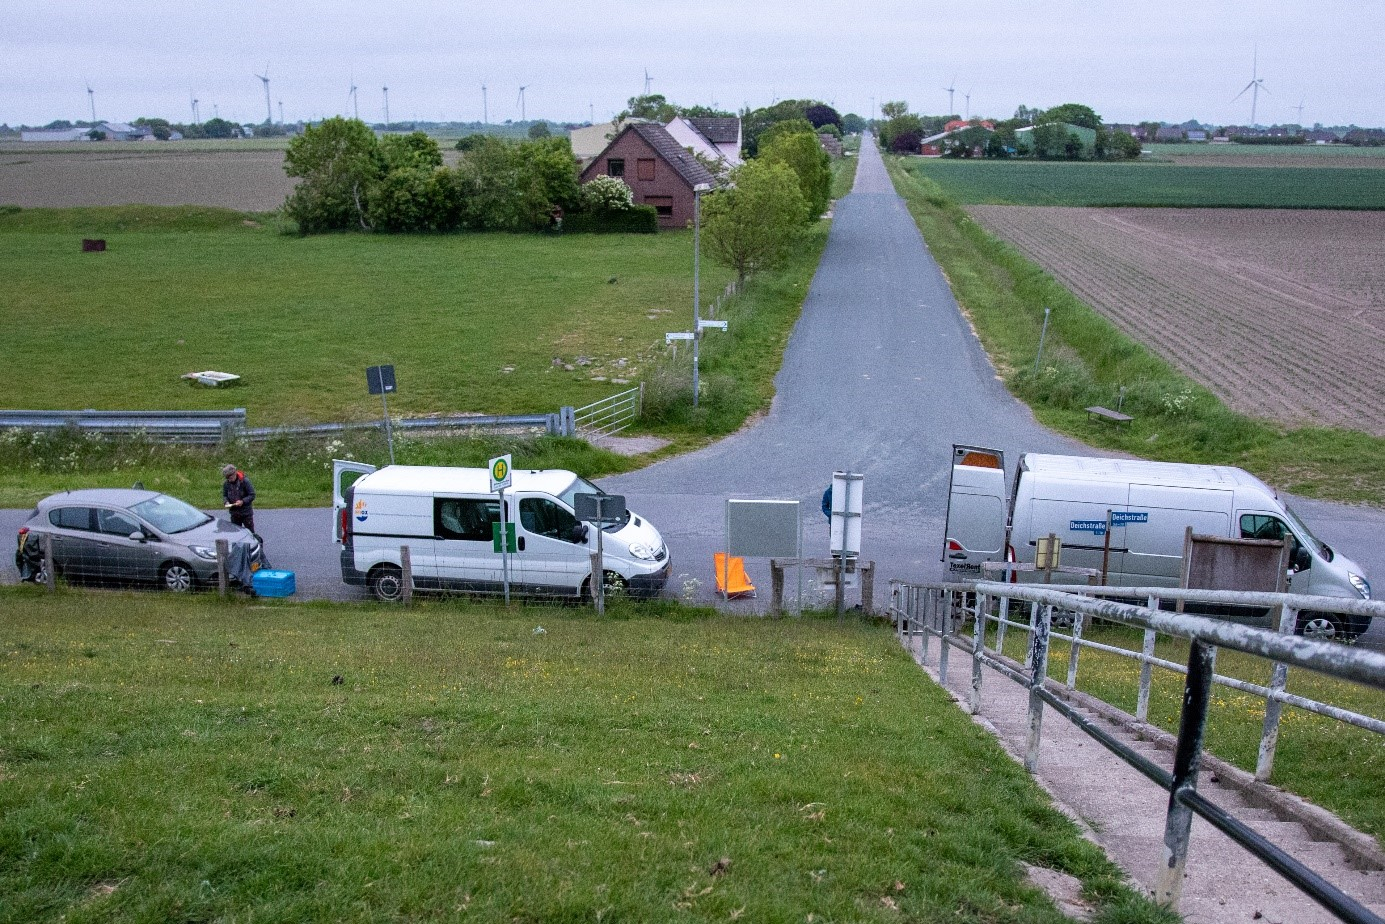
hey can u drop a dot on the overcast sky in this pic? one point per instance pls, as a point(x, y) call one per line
point(1130, 60)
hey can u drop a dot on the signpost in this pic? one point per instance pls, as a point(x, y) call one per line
point(848, 502)
point(505, 539)
point(598, 510)
point(379, 380)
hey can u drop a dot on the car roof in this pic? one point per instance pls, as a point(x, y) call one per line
point(429, 479)
point(109, 497)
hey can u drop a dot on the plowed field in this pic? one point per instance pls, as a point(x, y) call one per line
point(1280, 313)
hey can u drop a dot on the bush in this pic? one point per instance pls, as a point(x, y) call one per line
point(607, 194)
point(639, 219)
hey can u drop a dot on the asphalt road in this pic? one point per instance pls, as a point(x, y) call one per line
point(881, 376)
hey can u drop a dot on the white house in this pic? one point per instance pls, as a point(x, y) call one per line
point(717, 139)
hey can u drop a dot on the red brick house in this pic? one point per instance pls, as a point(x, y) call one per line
point(660, 171)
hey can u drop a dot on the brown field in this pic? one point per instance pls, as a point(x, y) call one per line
point(1281, 313)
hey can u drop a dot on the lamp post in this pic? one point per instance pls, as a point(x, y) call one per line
point(698, 190)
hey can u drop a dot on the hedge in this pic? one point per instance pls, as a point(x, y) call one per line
point(639, 219)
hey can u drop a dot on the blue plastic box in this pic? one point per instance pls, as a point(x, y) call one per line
point(271, 583)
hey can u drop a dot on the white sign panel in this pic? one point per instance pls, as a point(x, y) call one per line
point(848, 497)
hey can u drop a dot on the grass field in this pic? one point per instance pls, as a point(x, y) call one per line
point(172, 759)
point(1306, 154)
point(1334, 765)
point(991, 182)
point(1087, 360)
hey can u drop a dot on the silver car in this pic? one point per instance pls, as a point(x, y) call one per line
point(125, 535)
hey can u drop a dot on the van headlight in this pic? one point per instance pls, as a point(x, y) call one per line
point(202, 551)
point(642, 551)
point(1363, 586)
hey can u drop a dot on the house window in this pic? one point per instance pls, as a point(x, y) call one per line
point(645, 168)
point(615, 166)
point(663, 205)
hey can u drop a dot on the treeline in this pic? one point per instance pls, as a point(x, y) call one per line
point(1059, 133)
point(350, 179)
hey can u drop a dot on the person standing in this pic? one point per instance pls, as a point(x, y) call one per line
point(239, 494)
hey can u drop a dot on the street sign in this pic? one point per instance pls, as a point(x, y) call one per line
point(500, 472)
point(599, 508)
point(379, 380)
point(1048, 553)
point(511, 544)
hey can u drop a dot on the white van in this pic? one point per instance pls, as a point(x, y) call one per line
point(1148, 506)
point(445, 517)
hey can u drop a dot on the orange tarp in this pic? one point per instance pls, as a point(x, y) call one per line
point(732, 580)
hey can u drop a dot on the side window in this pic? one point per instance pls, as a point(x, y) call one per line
point(1262, 526)
point(71, 518)
point(542, 517)
point(465, 518)
point(116, 524)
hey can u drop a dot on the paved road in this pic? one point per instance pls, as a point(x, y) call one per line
point(881, 376)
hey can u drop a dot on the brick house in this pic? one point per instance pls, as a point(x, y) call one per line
point(660, 171)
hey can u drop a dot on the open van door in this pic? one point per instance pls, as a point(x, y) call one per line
point(344, 474)
point(974, 530)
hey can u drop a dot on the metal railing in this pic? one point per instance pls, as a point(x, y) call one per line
point(205, 427)
point(939, 610)
point(609, 415)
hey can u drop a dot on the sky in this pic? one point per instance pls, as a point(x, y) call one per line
point(1130, 60)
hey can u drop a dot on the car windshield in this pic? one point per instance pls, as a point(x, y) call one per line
point(170, 515)
point(1300, 527)
point(583, 486)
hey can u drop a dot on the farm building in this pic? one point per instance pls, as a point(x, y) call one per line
point(591, 140)
point(1024, 137)
point(114, 131)
point(945, 140)
point(659, 170)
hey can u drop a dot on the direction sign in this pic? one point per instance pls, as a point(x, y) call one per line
point(511, 545)
point(379, 380)
point(599, 508)
point(500, 472)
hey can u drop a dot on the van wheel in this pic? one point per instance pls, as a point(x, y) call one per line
point(177, 577)
point(1325, 626)
point(387, 583)
point(616, 586)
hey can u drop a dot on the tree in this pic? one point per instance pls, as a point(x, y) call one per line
point(654, 107)
point(415, 149)
point(1025, 115)
point(786, 127)
point(96, 134)
point(893, 109)
point(416, 199)
point(821, 114)
point(218, 128)
point(339, 162)
point(852, 124)
point(706, 112)
point(539, 130)
point(754, 123)
point(1122, 145)
point(803, 153)
point(1073, 114)
point(159, 128)
point(755, 223)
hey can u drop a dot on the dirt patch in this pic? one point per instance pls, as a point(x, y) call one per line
point(1281, 313)
point(630, 445)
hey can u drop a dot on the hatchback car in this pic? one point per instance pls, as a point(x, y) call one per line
point(125, 535)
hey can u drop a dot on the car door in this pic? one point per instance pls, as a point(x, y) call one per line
point(549, 561)
point(75, 549)
point(463, 543)
point(123, 558)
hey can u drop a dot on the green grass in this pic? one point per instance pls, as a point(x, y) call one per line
point(1086, 361)
point(843, 175)
point(184, 759)
point(992, 182)
point(1307, 152)
point(1329, 763)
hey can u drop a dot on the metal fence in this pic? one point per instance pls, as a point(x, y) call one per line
point(940, 611)
point(609, 415)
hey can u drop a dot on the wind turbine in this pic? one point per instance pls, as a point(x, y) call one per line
point(646, 81)
point(949, 89)
point(281, 112)
point(1299, 109)
point(485, 106)
point(1256, 84)
point(967, 97)
point(91, 98)
point(268, 107)
point(194, 107)
point(522, 117)
point(386, 91)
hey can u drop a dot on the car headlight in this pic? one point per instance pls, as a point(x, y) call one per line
point(1363, 586)
point(642, 551)
point(203, 552)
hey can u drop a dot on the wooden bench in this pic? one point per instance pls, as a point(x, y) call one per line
point(1105, 413)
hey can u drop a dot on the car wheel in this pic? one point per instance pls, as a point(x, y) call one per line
point(178, 577)
point(387, 583)
point(1325, 626)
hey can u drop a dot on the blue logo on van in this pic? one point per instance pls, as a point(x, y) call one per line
point(360, 511)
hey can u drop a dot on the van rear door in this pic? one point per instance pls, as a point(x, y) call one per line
point(974, 530)
point(344, 474)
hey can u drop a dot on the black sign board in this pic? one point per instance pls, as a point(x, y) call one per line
point(599, 508)
point(380, 379)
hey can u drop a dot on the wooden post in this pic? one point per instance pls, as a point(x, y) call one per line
point(50, 579)
point(868, 588)
point(776, 584)
point(223, 549)
point(406, 587)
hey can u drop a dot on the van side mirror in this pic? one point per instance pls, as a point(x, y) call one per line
point(578, 533)
point(1303, 559)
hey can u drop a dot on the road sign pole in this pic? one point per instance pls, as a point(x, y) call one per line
point(599, 572)
point(389, 433)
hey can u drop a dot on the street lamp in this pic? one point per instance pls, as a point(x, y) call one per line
point(698, 190)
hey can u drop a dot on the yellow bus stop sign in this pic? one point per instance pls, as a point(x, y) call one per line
point(500, 473)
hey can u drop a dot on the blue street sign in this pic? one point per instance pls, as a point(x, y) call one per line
point(1096, 527)
point(1121, 517)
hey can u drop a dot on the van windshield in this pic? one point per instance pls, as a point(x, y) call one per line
point(1322, 548)
point(583, 486)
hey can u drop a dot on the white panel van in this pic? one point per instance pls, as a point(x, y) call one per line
point(1148, 507)
point(447, 518)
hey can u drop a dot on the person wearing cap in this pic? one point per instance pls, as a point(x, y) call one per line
point(239, 494)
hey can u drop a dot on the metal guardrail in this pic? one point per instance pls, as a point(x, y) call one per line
point(550, 423)
point(609, 415)
point(924, 610)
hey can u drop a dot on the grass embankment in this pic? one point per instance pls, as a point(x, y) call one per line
point(1334, 765)
point(844, 174)
point(1086, 361)
point(487, 323)
point(194, 760)
point(999, 182)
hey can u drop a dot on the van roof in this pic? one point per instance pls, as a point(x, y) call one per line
point(1141, 471)
point(439, 479)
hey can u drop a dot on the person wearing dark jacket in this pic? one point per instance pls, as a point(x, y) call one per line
point(239, 494)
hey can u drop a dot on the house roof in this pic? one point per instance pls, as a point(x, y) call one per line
point(677, 156)
point(718, 129)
